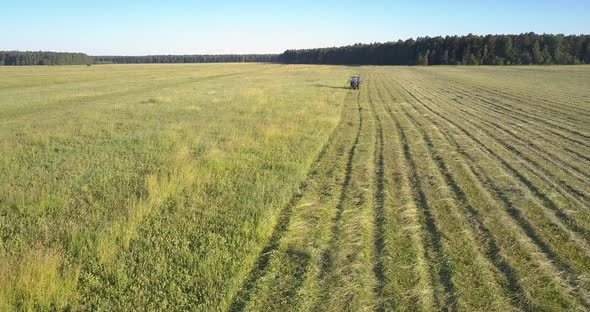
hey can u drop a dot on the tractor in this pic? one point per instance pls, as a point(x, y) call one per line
point(355, 82)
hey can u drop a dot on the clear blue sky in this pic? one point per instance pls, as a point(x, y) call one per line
point(109, 27)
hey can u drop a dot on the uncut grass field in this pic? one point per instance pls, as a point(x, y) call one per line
point(262, 187)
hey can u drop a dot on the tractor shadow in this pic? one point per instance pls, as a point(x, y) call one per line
point(319, 85)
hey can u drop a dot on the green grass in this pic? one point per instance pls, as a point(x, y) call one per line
point(128, 186)
point(271, 187)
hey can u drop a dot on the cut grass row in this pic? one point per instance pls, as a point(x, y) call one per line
point(500, 111)
point(431, 110)
point(577, 223)
point(507, 114)
point(553, 93)
point(538, 167)
point(462, 209)
point(510, 136)
point(456, 254)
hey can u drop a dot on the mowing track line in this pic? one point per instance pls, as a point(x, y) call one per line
point(515, 213)
point(475, 221)
point(327, 258)
point(568, 221)
point(445, 301)
point(379, 204)
point(261, 265)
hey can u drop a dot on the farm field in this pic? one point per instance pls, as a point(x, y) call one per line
point(256, 187)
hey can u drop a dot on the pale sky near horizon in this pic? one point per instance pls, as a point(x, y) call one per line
point(135, 27)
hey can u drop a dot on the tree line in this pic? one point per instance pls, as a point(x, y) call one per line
point(221, 58)
point(529, 48)
point(58, 58)
point(44, 58)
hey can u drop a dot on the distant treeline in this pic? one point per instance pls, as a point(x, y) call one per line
point(43, 58)
point(527, 48)
point(56, 58)
point(222, 58)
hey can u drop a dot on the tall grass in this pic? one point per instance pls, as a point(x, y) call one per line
point(152, 186)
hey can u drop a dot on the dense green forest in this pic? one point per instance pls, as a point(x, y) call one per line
point(43, 58)
point(529, 48)
point(222, 58)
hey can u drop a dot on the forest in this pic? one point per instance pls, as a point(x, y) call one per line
point(221, 58)
point(43, 58)
point(523, 49)
point(56, 58)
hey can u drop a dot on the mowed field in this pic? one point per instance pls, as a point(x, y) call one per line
point(230, 187)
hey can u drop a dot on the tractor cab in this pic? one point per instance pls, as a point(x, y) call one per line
point(355, 82)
